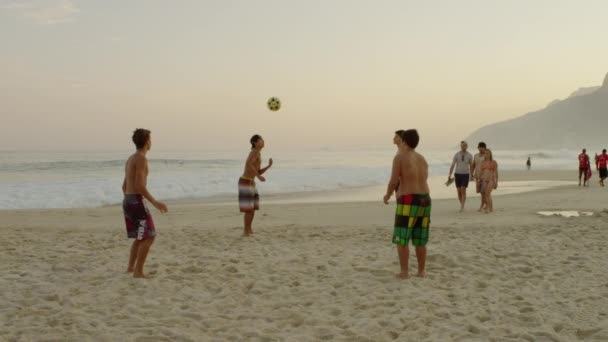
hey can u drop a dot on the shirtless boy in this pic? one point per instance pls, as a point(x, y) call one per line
point(138, 220)
point(413, 215)
point(249, 198)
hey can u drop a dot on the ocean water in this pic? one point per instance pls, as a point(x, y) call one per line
point(93, 179)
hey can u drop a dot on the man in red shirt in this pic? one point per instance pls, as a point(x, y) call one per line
point(602, 160)
point(583, 166)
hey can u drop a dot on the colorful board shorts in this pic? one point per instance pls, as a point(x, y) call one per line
point(462, 180)
point(138, 220)
point(412, 219)
point(249, 198)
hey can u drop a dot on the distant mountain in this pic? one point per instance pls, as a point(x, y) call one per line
point(585, 90)
point(579, 121)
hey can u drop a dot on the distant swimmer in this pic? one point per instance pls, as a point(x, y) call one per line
point(529, 164)
point(138, 219)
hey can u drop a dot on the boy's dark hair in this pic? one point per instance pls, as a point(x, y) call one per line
point(254, 139)
point(399, 132)
point(410, 137)
point(604, 151)
point(140, 137)
point(481, 144)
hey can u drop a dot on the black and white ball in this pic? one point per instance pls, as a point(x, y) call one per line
point(274, 104)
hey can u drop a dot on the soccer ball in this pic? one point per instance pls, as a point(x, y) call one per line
point(274, 104)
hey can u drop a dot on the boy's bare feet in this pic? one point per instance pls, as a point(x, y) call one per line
point(402, 275)
point(130, 270)
point(140, 275)
point(421, 275)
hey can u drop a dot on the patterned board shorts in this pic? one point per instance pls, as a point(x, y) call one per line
point(412, 219)
point(249, 198)
point(138, 220)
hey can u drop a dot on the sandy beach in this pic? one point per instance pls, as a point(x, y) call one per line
point(312, 272)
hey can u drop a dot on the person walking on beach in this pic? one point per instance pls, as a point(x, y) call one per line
point(413, 215)
point(529, 164)
point(463, 162)
point(249, 198)
point(583, 167)
point(138, 219)
point(602, 160)
point(477, 160)
point(489, 180)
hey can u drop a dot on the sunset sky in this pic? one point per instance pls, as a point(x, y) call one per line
point(83, 74)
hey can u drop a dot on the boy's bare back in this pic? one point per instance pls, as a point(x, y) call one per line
point(136, 164)
point(412, 169)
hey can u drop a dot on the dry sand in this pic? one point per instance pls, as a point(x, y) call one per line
point(312, 272)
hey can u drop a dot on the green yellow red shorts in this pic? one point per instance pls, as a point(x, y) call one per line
point(412, 219)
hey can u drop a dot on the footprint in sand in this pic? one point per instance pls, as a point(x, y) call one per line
point(232, 269)
point(481, 285)
point(527, 309)
point(51, 298)
point(192, 315)
point(393, 335)
point(524, 269)
point(483, 319)
point(335, 312)
point(584, 323)
point(376, 272)
point(473, 329)
point(558, 327)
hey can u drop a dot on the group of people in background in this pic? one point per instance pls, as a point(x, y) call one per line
point(481, 168)
point(584, 167)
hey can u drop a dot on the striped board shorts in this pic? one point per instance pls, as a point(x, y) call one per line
point(249, 198)
point(412, 219)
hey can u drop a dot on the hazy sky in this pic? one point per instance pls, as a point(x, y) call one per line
point(83, 74)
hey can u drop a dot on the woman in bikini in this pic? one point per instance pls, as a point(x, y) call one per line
point(489, 180)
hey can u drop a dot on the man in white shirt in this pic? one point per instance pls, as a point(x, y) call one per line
point(463, 162)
